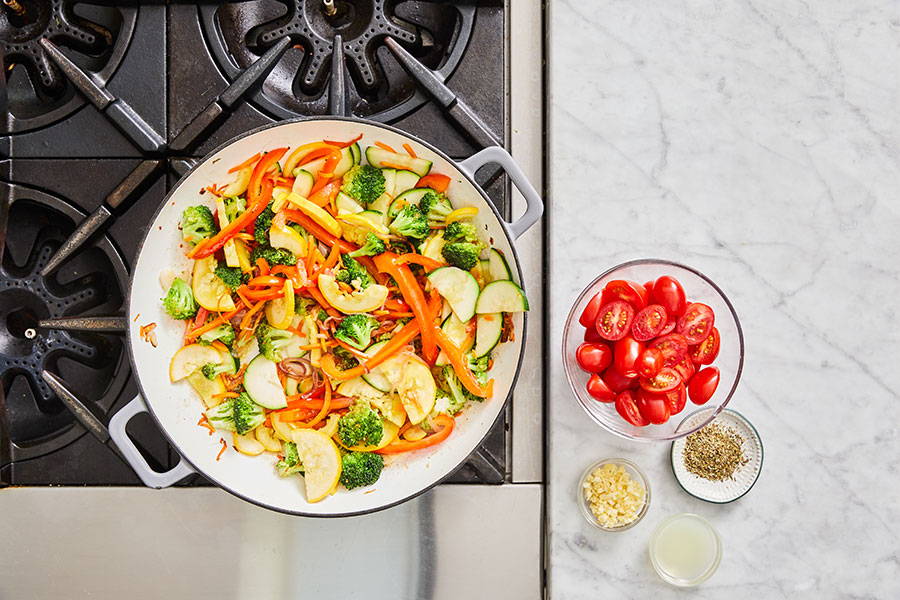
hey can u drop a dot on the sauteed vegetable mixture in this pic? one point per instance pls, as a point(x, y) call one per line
point(338, 310)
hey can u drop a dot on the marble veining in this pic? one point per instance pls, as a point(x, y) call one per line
point(758, 141)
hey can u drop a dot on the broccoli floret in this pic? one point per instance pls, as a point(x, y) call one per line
point(212, 370)
point(478, 366)
point(361, 426)
point(262, 225)
point(179, 301)
point(224, 333)
point(240, 415)
point(353, 273)
point(359, 469)
point(447, 403)
point(273, 256)
point(400, 246)
point(461, 254)
point(356, 330)
point(234, 205)
point(435, 206)
point(410, 222)
point(230, 276)
point(197, 224)
point(459, 395)
point(343, 359)
point(271, 341)
point(364, 183)
point(461, 231)
point(372, 247)
point(322, 315)
point(290, 464)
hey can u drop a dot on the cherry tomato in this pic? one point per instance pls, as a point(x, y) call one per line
point(628, 410)
point(654, 408)
point(706, 351)
point(589, 314)
point(591, 335)
point(675, 399)
point(648, 286)
point(625, 353)
point(593, 358)
point(598, 389)
point(649, 362)
point(614, 320)
point(626, 291)
point(667, 379)
point(668, 328)
point(673, 347)
point(618, 382)
point(703, 385)
point(668, 292)
point(696, 323)
point(685, 369)
point(648, 322)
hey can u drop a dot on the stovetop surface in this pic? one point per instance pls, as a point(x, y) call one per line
point(60, 156)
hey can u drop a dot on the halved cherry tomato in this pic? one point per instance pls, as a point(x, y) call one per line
point(673, 347)
point(648, 323)
point(703, 385)
point(628, 410)
point(685, 369)
point(591, 335)
point(649, 362)
point(675, 399)
point(618, 382)
point(668, 292)
point(706, 351)
point(598, 389)
point(669, 327)
point(614, 320)
point(626, 352)
point(653, 407)
point(589, 314)
point(696, 323)
point(667, 379)
point(593, 358)
point(626, 291)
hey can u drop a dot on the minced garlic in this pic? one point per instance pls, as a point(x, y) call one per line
point(613, 496)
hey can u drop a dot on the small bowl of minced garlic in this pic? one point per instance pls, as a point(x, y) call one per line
point(613, 494)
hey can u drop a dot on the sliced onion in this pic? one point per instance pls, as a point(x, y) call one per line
point(298, 368)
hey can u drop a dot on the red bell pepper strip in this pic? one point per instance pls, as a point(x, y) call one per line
point(387, 262)
point(435, 181)
point(259, 193)
point(461, 367)
point(394, 345)
point(445, 422)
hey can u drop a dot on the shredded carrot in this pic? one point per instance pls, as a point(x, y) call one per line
point(226, 395)
point(214, 189)
point(243, 298)
point(390, 165)
point(357, 353)
point(344, 144)
point(203, 422)
point(222, 318)
point(147, 333)
point(244, 236)
point(409, 150)
point(250, 161)
point(318, 297)
point(222, 451)
point(384, 146)
point(136, 317)
point(245, 322)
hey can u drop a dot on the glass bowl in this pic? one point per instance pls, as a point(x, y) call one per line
point(695, 533)
point(698, 288)
point(633, 471)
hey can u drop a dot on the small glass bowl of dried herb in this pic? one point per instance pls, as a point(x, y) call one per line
point(613, 494)
point(720, 462)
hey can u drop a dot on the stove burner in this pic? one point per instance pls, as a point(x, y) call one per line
point(38, 91)
point(378, 87)
point(31, 416)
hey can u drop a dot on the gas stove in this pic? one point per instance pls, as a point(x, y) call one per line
point(110, 102)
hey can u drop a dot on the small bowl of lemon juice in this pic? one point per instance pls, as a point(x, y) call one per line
point(685, 550)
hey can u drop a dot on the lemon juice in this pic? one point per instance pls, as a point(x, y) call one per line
point(685, 549)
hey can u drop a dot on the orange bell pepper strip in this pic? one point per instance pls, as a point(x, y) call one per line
point(266, 281)
point(318, 232)
point(461, 367)
point(394, 345)
point(435, 181)
point(259, 193)
point(298, 402)
point(324, 190)
point(445, 422)
point(246, 163)
point(302, 153)
point(387, 262)
point(263, 294)
point(326, 406)
point(429, 264)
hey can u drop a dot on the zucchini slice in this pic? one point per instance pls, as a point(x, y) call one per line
point(459, 288)
point(389, 181)
point(457, 332)
point(357, 154)
point(488, 328)
point(262, 383)
point(413, 196)
point(378, 157)
point(497, 266)
point(346, 163)
point(375, 377)
point(346, 205)
point(303, 182)
point(405, 181)
point(501, 296)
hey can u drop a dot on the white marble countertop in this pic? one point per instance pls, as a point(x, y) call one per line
point(758, 141)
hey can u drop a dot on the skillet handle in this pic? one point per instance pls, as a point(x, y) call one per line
point(499, 156)
point(150, 477)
